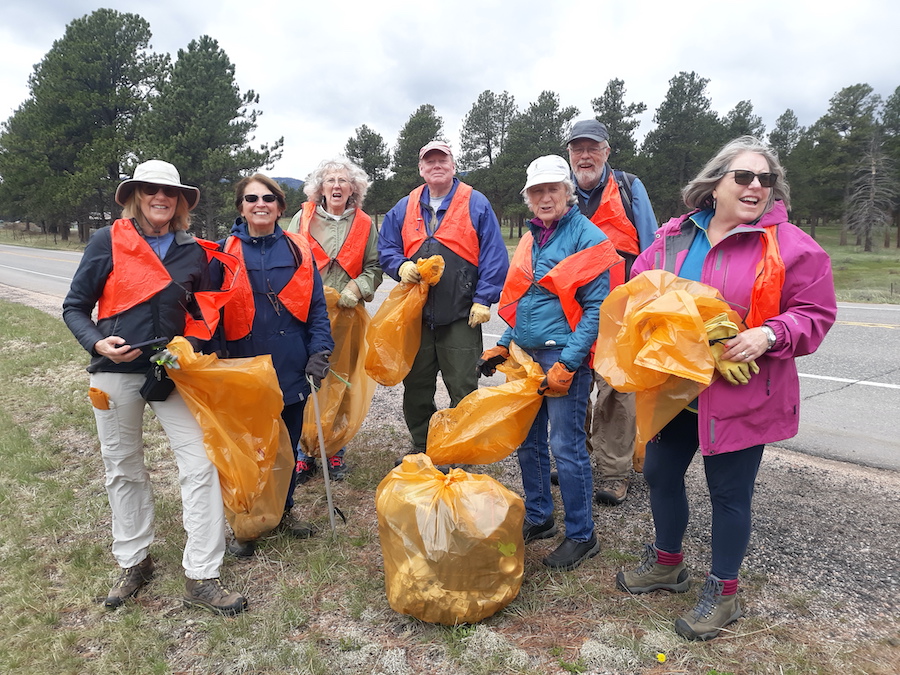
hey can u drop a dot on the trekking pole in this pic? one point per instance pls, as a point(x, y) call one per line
point(315, 399)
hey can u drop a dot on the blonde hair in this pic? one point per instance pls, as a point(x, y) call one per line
point(180, 221)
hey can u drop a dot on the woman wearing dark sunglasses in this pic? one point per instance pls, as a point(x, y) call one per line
point(778, 279)
point(278, 309)
point(142, 273)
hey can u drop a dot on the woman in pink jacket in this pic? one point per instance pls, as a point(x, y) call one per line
point(778, 279)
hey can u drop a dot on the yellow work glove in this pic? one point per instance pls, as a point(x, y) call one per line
point(490, 359)
point(720, 330)
point(557, 380)
point(478, 314)
point(409, 273)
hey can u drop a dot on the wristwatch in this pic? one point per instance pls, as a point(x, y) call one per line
point(770, 335)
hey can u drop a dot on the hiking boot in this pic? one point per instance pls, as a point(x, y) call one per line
point(611, 492)
point(296, 528)
point(242, 548)
point(337, 470)
point(713, 612)
point(544, 531)
point(212, 595)
point(305, 470)
point(130, 581)
point(652, 576)
point(414, 451)
point(570, 554)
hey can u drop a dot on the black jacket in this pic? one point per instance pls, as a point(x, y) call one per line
point(163, 315)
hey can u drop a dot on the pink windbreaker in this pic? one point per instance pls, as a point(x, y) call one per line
point(768, 408)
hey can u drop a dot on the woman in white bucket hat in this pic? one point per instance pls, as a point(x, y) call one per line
point(141, 273)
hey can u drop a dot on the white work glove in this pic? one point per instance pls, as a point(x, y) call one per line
point(167, 359)
point(348, 298)
point(478, 314)
point(409, 273)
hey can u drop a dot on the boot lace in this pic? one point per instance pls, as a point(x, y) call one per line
point(709, 598)
point(647, 561)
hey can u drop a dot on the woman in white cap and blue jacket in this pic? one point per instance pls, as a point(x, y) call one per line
point(142, 273)
point(551, 299)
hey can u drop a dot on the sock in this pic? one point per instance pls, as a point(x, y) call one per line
point(666, 558)
point(730, 587)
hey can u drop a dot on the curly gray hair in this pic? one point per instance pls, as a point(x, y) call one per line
point(358, 180)
point(698, 193)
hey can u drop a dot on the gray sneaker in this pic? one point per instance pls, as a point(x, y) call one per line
point(713, 612)
point(212, 595)
point(130, 581)
point(651, 576)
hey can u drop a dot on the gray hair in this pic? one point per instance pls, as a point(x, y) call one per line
point(358, 180)
point(698, 193)
point(571, 199)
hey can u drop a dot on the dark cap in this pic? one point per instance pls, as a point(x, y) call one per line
point(592, 129)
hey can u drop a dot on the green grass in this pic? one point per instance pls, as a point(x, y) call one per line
point(317, 605)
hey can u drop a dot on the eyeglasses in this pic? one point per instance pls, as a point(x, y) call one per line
point(152, 189)
point(745, 177)
point(266, 198)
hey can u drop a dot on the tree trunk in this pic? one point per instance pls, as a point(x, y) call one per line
point(812, 227)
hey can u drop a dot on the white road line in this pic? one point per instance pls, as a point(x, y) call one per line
point(844, 379)
point(40, 274)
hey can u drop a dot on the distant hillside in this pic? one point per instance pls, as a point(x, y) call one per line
point(293, 183)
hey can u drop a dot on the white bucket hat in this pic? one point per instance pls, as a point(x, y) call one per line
point(546, 169)
point(157, 172)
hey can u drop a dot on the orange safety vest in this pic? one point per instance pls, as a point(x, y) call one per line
point(137, 272)
point(456, 231)
point(566, 277)
point(765, 298)
point(610, 217)
point(353, 250)
point(296, 295)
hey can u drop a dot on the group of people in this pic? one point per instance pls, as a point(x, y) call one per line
point(593, 228)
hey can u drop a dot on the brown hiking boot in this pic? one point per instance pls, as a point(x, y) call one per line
point(130, 581)
point(212, 595)
point(651, 576)
point(713, 612)
point(612, 492)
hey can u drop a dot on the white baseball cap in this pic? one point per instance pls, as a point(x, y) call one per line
point(546, 169)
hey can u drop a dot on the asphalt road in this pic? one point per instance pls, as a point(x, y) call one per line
point(850, 388)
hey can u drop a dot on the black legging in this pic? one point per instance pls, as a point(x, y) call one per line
point(730, 477)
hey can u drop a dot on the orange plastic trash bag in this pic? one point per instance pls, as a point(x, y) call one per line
point(452, 545)
point(238, 404)
point(491, 422)
point(342, 406)
point(652, 341)
point(396, 329)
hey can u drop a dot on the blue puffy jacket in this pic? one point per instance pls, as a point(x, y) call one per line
point(540, 321)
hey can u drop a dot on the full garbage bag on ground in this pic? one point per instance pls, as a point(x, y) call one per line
point(346, 393)
point(452, 544)
point(653, 341)
point(395, 332)
point(238, 404)
point(491, 422)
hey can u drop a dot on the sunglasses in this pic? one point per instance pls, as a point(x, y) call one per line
point(745, 177)
point(152, 189)
point(266, 198)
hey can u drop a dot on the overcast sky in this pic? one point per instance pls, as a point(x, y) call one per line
point(323, 69)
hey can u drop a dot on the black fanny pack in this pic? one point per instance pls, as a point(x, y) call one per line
point(158, 385)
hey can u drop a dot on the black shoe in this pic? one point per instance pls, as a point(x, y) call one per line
point(296, 528)
point(305, 470)
point(543, 531)
point(570, 554)
point(554, 477)
point(242, 549)
point(337, 469)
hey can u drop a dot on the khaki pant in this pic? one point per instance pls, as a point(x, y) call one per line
point(611, 431)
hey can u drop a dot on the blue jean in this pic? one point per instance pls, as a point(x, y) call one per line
point(566, 438)
point(730, 477)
